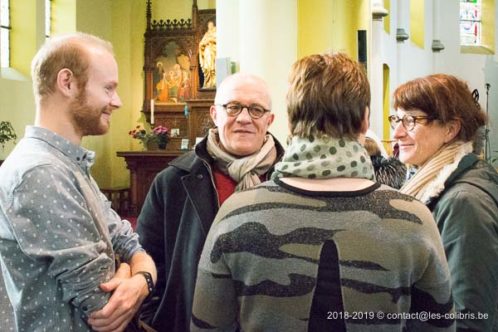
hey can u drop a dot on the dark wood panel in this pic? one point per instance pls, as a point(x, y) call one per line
point(144, 166)
point(192, 121)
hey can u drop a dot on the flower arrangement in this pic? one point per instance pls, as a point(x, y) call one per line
point(159, 135)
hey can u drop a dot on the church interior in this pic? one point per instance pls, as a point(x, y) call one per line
point(172, 54)
point(396, 41)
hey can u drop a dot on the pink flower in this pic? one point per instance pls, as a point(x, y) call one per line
point(160, 130)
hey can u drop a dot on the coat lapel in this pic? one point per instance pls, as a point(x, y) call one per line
point(199, 188)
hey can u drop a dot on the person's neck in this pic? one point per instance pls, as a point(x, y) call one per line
point(330, 184)
point(56, 120)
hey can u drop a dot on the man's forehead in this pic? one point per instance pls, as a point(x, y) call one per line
point(245, 93)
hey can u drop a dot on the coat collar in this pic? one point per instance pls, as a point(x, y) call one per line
point(188, 160)
point(438, 185)
point(202, 194)
point(447, 178)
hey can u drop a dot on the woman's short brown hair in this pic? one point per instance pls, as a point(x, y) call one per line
point(444, 98)
point(328, 95)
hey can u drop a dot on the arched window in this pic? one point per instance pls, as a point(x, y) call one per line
point(470, 22)
point(5, 33)
point(477, 26)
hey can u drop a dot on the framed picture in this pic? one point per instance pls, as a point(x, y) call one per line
point(175, 132)
point(184, 145)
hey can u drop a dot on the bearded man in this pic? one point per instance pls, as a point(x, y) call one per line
point(59, 238)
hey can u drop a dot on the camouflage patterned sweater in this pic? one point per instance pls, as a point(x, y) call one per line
point(279, 258)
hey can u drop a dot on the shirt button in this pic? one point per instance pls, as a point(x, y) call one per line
point(200, 176)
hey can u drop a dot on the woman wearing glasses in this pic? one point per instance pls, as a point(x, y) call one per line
point(436, 123)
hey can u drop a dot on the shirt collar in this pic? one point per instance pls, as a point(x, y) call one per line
point(83, 157)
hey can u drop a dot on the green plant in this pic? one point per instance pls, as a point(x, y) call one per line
point(7, 133)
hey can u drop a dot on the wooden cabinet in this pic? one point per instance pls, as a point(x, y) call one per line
point(143, 166)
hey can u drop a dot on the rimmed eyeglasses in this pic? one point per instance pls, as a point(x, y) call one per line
point(408, 121)
point(234, 109)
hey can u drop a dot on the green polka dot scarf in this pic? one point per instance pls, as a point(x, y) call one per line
point(325, 157)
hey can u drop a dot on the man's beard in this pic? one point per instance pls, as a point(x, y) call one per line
point(87, 120)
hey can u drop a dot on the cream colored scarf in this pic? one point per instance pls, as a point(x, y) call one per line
point(429, 180)
point(246, 170)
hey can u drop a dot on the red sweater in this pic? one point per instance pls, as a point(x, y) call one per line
point(225, 185)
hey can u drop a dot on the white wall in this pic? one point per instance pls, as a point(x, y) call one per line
point(408, 61)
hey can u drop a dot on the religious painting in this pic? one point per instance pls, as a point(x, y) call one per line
point(171, 75)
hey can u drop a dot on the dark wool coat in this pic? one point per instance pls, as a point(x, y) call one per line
point(389, 171)
point(466, 213)
point(173, 224)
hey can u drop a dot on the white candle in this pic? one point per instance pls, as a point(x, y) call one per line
point(152, 111)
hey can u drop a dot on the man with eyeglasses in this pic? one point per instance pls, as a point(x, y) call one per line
point(185, 197)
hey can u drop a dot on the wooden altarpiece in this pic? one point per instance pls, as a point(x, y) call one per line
point(173, 89)
point(173, 95)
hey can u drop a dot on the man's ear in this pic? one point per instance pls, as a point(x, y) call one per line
point(271, 117)
point(213, 113)
point(452, 130)
point(66, 83)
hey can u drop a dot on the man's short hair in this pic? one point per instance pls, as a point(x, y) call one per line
point(63, 51)
point(328, 95)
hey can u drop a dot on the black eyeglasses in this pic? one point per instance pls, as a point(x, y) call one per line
point(234, 109)
point(408, 121)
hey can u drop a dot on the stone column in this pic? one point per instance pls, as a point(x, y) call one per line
point(261, 36)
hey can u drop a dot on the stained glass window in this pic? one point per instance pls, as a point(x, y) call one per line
point(4, 33)
point(470, 22)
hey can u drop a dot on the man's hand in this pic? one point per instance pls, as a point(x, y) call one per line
point(128, 294)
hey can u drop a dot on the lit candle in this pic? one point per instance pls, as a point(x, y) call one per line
point(152, 111)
